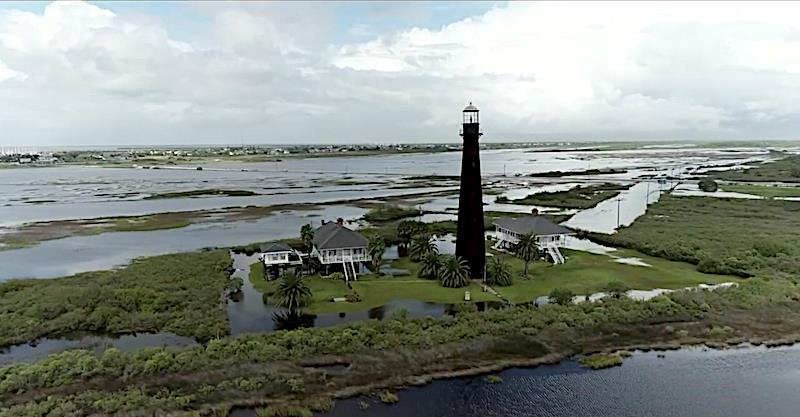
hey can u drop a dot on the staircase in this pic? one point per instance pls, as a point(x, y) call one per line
point(556, 255)
point(349, 270)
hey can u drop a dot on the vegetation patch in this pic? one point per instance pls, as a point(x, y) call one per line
point(178, 293)
point(383, 213)
point(559, 174)
point(782, 170)
point(768, 191)
point(202, 193)
point(601, 361)
point(581, 197)
point(388, 397)
point(726, 236)
point(252, 368)
point(494, 379)
point(284, 411)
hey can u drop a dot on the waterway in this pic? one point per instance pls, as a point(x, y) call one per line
point(744, 382)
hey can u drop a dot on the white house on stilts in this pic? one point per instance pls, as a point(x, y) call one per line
point(335, 244)
point(549, 236)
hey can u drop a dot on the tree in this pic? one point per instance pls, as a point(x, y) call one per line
point(616, 289)
point(454, 272)
point(376, 248)
point(431, 265)
point(292, 292)
point(498, 273)
point(561, 296)
point(420, 246)
point(708, 185)
point(526, 249)
point(407, 229)
point(307, 235)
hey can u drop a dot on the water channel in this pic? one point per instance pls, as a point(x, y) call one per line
point(744, 382)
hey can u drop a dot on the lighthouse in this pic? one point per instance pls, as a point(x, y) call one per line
point(470, 240)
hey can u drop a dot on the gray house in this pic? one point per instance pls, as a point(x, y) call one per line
point(336, 244)
point(549, 236)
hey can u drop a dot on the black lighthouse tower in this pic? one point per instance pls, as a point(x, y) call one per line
point(470, 240)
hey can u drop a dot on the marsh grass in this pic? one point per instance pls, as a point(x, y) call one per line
point(601, 361)
point(179, 293)
point(581, 197)
point(720, 235)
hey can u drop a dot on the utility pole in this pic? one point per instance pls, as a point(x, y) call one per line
point(618, 201)
point(648, 194)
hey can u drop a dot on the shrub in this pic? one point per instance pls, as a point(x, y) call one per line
point(353, 297)
point(561, 296)
point(284, 411)
point(388, 397)
point(494, 379)
point(320, 404)
point(601, 361)
point(338, 276)
point(708, 185)
point(616, 289)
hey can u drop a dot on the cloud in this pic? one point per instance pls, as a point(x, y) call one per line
point(273, 73)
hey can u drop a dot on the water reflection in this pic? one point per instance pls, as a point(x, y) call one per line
point(96, 343)
point(255, 314)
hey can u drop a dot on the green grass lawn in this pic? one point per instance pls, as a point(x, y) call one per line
point(376, 292)
point(762, 190)
point(586, 273)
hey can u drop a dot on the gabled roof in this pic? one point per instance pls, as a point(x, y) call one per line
point(538, 225)
point(332, 236)
point(274, 247)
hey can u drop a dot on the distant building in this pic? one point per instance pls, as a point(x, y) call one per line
point(335, 244)
point(549, 236)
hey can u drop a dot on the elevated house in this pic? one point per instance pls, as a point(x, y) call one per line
point(549, 236)
point(335, 244)
point(277, 257)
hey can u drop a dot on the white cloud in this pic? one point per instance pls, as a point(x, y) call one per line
point(78, 73)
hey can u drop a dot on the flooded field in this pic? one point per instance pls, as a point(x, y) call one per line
point(74, 192)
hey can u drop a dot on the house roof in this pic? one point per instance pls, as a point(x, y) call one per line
point(273, 247)
point(538, 225)
point(332, 236)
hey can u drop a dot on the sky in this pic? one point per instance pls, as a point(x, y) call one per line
point(136, 73)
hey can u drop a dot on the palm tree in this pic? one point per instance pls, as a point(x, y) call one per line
point(292, 292)
point(454, 272)
point(407, 229)
point(376, 248)
point(526, 249)
point(307, 235)
point(499, 273)
point(431, 265)
point(421, 246)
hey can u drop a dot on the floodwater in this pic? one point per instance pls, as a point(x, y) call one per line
point(60, 257)
point(250, 314)
point(96, 343)
point(622, 210)
point(73, 192)
point(743, 382)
